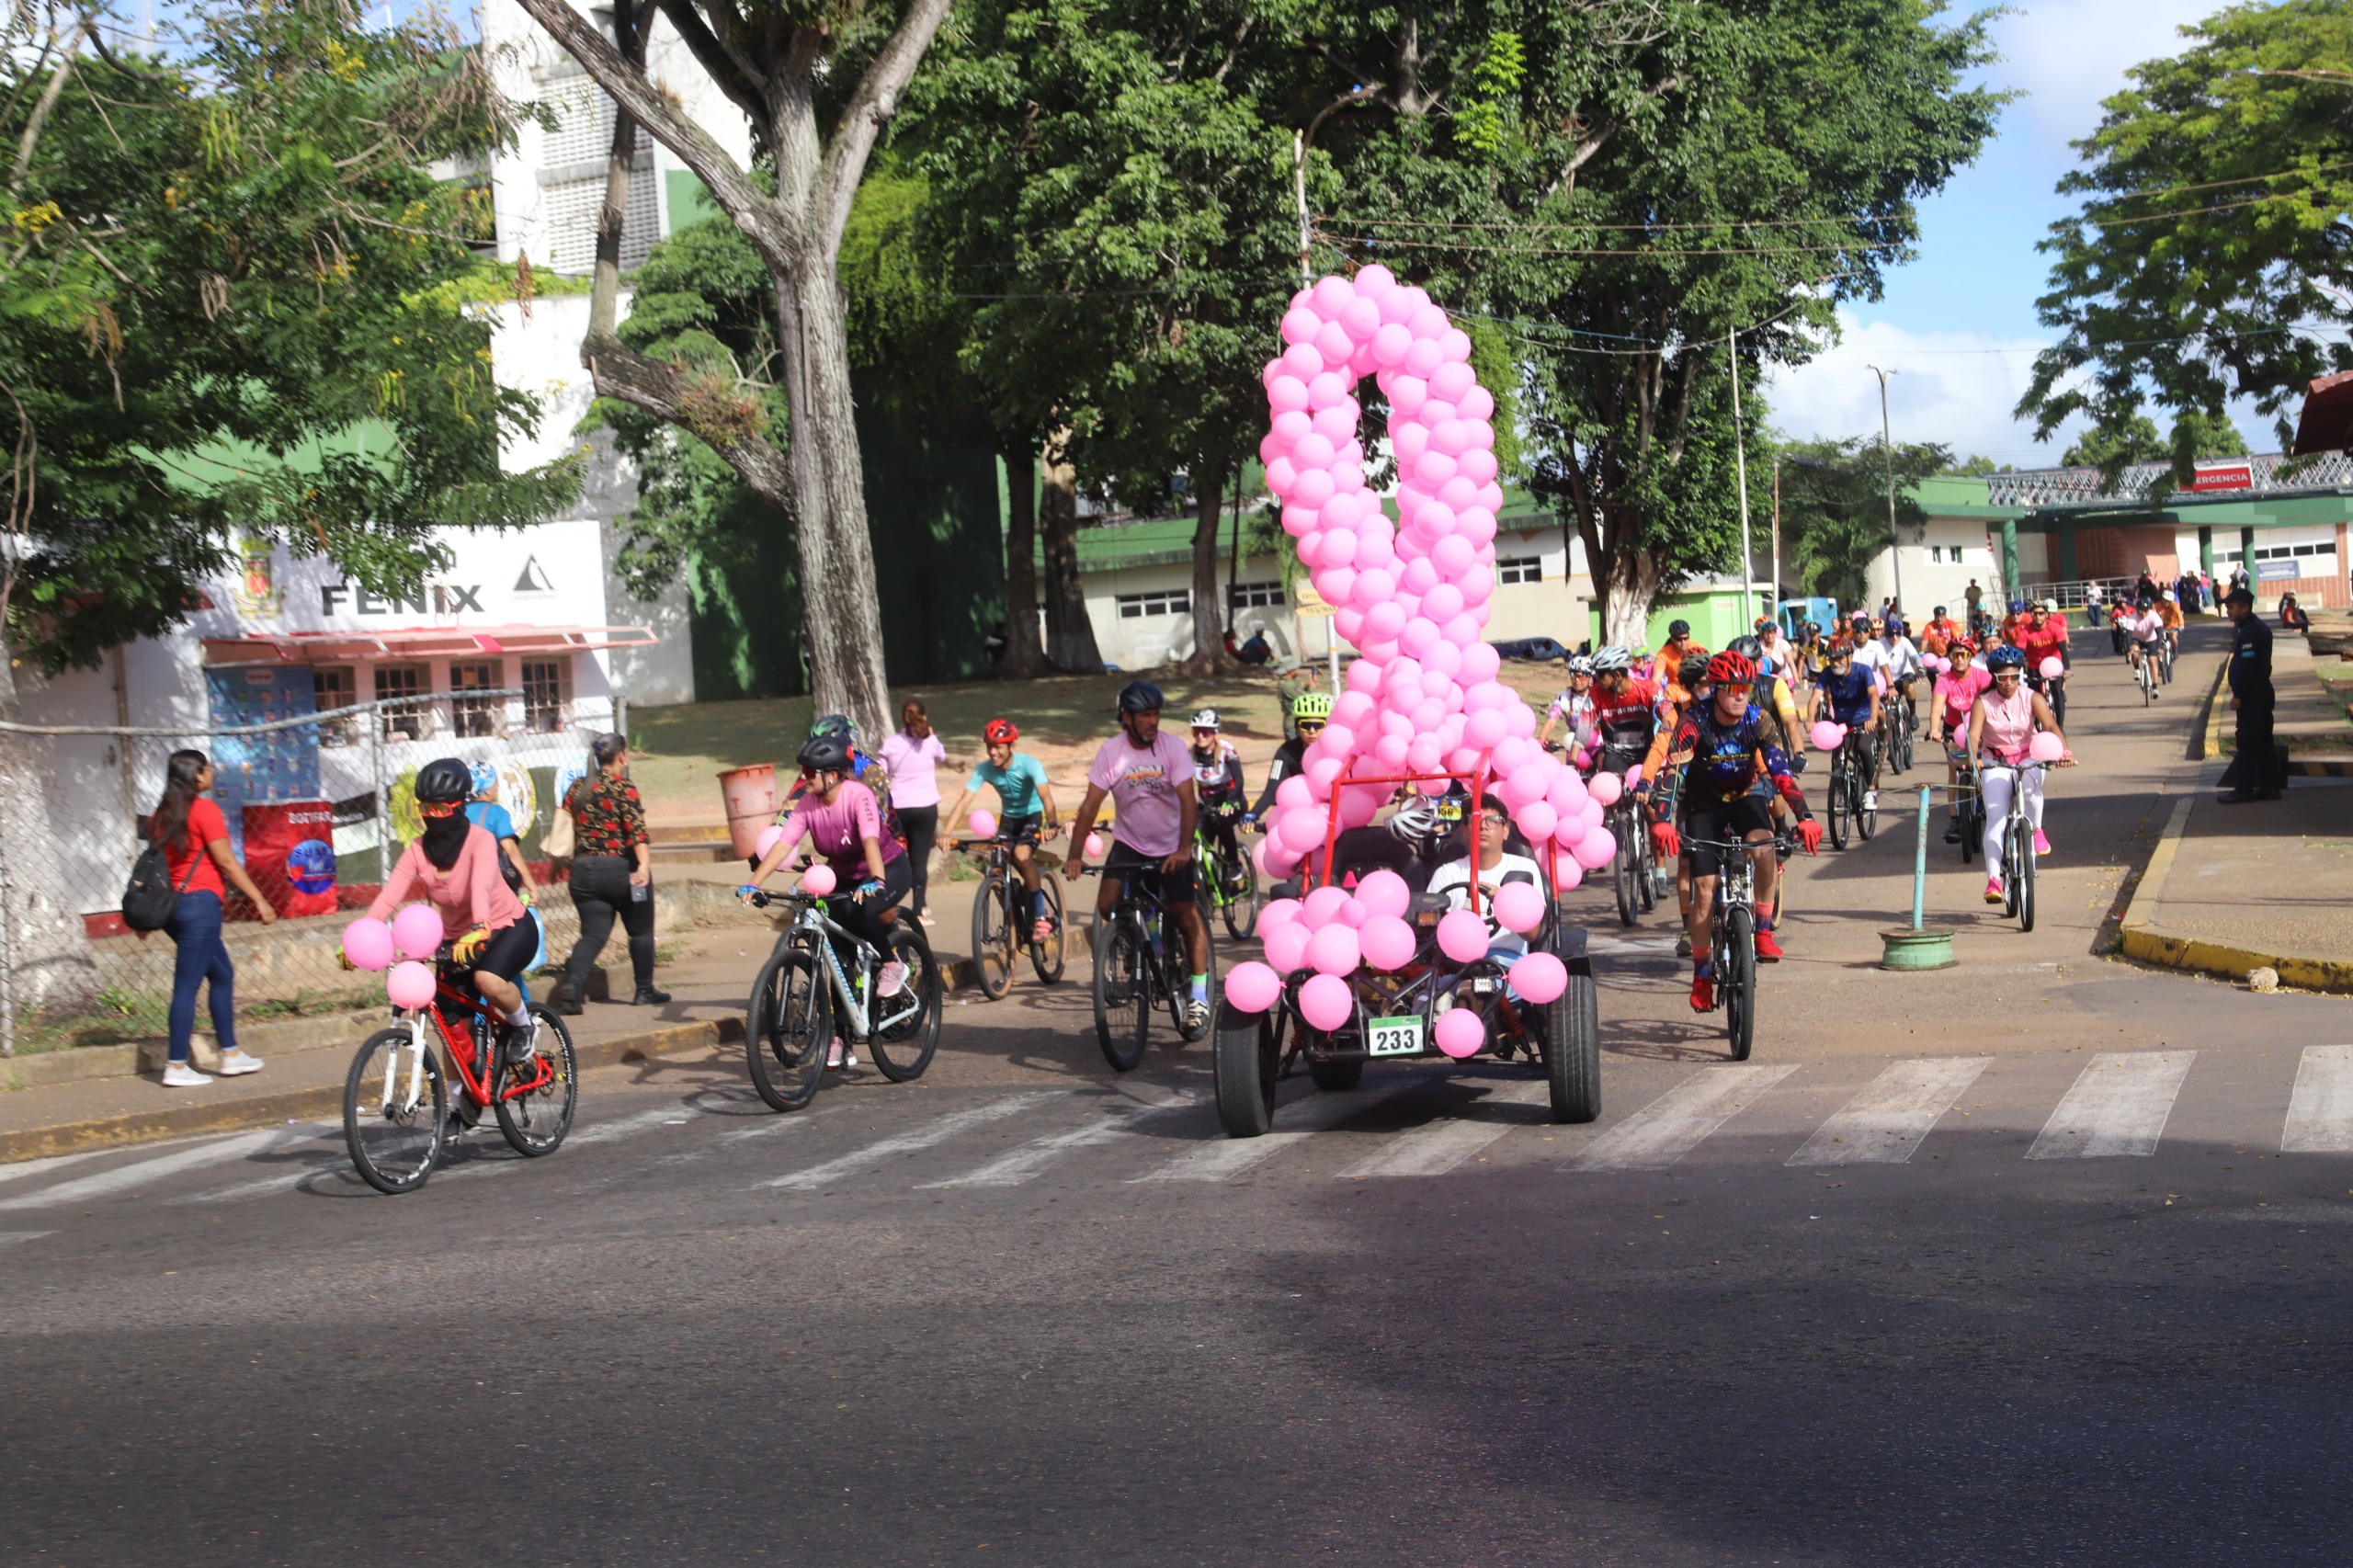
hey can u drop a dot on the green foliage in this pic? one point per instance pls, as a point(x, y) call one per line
point(228, 307)
point(1834, 508)
point(2210, 260)
point(1978, 466)
point(1488, 120)
point(2137, 440)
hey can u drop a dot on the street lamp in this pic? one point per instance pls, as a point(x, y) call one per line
point(1887, 450)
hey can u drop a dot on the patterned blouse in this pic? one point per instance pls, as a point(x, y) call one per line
point(606, 815)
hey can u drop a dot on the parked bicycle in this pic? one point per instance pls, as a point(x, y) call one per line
point(805, 997)
point(1000, 935)
point(397, 1120)
point(1731, 943)
point(1229, 882)
point(1140, 965)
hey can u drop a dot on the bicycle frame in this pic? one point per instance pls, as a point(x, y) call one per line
point(811, 925)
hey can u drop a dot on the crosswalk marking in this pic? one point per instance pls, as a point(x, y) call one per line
point(2118, 1106)
point(1672, 1125)
point(1883, 1125)
point(124, 1178)
point(1023, 1163)
point(923, 1137)
point(1222, 1159)
point(48, 1163)
point(10, 1238)
point(1436, 1147)
point(2320, 1112)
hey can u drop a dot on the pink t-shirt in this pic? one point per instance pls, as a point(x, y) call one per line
point(909, 762)
point(2009, 726)
point(839, 832)
point(1143, 785)
point(471, 892)
point(1956, 692)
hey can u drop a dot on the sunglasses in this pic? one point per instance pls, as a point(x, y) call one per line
point(1314, 726)
point(440, 810)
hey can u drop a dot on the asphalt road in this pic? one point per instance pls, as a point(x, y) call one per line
point(2040, 1259)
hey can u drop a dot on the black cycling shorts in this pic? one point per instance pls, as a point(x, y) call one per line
point(1723, 821)
point(1021, 829)
point(511, 950)
point(1124, 861)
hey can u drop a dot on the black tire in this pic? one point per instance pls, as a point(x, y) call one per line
point(1903, 742)
point(2026, 885)
point(1243, 1064)
point(1738, 975)
point(394, 1150)
point(1180, 992)
point(536, 1124)
point(2009, 873)
point(1972, 831)
point(1621, 874)
point(1646, 867)
point(1839, 809)
point(2059, 702)
point(788, 1025)
point(903, 1050)
point(1123, 987)
point(1241, 908)
point(1050, 957)
point(1572, 1048)
point(1336, 1077)
point(993, 944)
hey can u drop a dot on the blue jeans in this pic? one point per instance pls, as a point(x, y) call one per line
point(195, 929)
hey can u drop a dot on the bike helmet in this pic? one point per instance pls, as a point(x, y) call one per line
point(485, 779)
point(1694, 669)
point(2167, 596)
point(1617, 656)
point(1748, 648)
point(2050, 607)
point(1940, 612)
point(1840, 648)
point(1416, 820)
point(1581, 665)
point(1315, 705)
point(840, 724)
point(1000, 732)
point(1961, 647)
point(824, 754)
point(1205, 720)
point(2005, 658)
point(444, 781)
point(2017, 607)
point(1140, 697)
point(1677, 630)
point(1729, 668)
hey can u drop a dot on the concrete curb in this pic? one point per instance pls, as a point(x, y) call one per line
point(2210, 743)
point(326, 1101)
point(2141, 938)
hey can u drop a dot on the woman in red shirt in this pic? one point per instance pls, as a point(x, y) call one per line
point(195, 837)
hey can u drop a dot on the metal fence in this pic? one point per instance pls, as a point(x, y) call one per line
point(319, 806)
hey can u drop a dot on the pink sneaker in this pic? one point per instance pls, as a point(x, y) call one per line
point(1992, 889)
point(2042, 845)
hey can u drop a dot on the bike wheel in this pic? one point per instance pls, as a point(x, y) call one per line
point(2026, 885)
point(1573, 1050)
point(2009, 871)
point(536, 1122)
point(1838, 810)
point(1242, 1064)
point(2059, 702)
point(1737, 960)
point(1972, 831)
point(993, 937)
point(1123, 963)
point(1621, 873)
point(787, 1027)
point(902, 1047)
point(1180, 990)
point(393, 1116)
point(1049, 956)
point(1241, 909)
point(1645, 868)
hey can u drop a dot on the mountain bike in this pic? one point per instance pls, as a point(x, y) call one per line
point(1229, 882)
point(2165, 661)
point(1000, 935)
point(1140, 964)
point(1631, 874)
point(1899, 717)
point(1851, 804)
point(2018, 849)
point(397, 1120)
point(1969, 804)
point(2145, 671)
point(805, 995)
point(2054, 692)
point(1731, 919)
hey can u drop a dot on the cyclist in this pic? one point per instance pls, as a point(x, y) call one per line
point(2146, 629)
point(2043, 635)
point(1026, 815)
point(1625, 708)
point(455, 864)
point(484, 811)
point(1573, 710)
point(842, 822)
point(2169, 611)
point(1900, 660)
point(1941, 633)
point(1679, 647)
point(1873, 656)
point(2012, 621)
point(1848, 695)
point(1949, 702)
point(1309, 711)
point(2001, 727)
point(1779, 657)
point(1218, 785)
point(1149, 779)
point(1730, 741)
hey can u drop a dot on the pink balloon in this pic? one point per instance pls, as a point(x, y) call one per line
point(1252, 987)
point(2046, 747)
point(1383, 892)
point(1480, 662)
point(2052, 668)
point(1326, 390)
point(1303, 362)
point(1326, 1003)
point(1373, 282)
point(1313, 451)
point(1460, 1032)
point(1538, 978)
point(417, 931)
point(1406, 394)
point(1323, 905)
point(1334, 344)
point(1300, 326)
point(1386, 942)
point(1478, 465)
point(1390, 342)
point(1277, 914)
point(1361, 317)
point(1288, 392)
point(1826, 736)
point(1595, 849)
point(1486, 728)
point(1333, 294)
point(1538, 820)
point(1433, 469)
point(1423, 357)
point(1452, 436)
point(1605, 788)
point(1286, 946)
point(1451, 382)
point(1442, 604)
point(1334, 950)
point(1462, 937)
point(1353, 914)
point(1567, 873)
point(1519, 906)
point(1095, 847)
point(409, 985)
point(1313, 486)
point(985, 823)
point(819, 881)
point(368, 943)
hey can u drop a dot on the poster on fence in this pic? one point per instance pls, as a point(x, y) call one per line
point(290, 850)
point(276, 766)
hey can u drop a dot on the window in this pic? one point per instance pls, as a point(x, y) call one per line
point(1259, 596)
point(543, 695)
point(474, 717)
point(1935, 554)
point(1171, 601)
point(1520, 569)
point(394, 683)
point(334, 687)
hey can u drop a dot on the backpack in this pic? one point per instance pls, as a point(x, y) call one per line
point(149, 900)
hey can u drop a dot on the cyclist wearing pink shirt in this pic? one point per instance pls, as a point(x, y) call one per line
point(1149, 777)
point(2001, 729)
point(1956, 693)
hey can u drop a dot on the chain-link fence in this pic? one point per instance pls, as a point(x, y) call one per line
point(319, 806)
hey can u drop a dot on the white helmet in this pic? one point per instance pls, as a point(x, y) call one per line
point(1617, 656)
point(1205, 720)
point(1416, 821)
point(2167, 595)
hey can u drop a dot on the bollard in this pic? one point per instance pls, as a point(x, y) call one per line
point(1914, 948)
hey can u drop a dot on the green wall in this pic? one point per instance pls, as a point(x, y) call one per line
point(1715, 617)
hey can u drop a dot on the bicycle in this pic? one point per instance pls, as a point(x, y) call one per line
point(2145, 671)
point(1139, 963)
point(1899, 719)
point(1851, 803)
point(2164, 665)
point(1229, 885)
point(1632, 872)
point(1731, 945)
point(396, 1114)
point(2054, 692)
point(998, 939)
point(1969, 804)
point(1662, 873)
point(790, 1023)
point(2018, 849)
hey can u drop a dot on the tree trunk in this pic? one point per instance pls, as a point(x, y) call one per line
point(1628, 588)
point(1069, 634)
point(43, 943)
point(1208, 657)
point(1025, 654)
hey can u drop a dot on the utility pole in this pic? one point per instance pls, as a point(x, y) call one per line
point(1777, 534)
point(1887, 450)
point(1299, 195)
point(1740, 462)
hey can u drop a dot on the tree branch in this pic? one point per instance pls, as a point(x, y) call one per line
point(656, 387)
point(48, 101)
point(621, 160)
point(876, 100)
point(743, 82)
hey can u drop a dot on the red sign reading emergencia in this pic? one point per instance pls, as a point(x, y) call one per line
point(2234, 473)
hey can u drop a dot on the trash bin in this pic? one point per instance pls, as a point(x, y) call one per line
point(750, 797)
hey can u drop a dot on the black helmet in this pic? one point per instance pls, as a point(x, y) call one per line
point(1675, 629)
point(1749, 648)
point(839, 724)
point(444, 781)
point(1140, 697)
point(825, 753)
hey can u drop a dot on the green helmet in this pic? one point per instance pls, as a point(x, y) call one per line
point(1311, 705)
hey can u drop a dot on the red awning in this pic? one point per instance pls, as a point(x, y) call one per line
point(2326, 424)
point(420, 643)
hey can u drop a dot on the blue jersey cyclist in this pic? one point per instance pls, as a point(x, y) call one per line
point(1723, 745)
point(1847, 690)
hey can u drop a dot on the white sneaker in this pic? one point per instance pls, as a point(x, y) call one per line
point(1870, 799)
point(842, 1055)
point(891, 978)
point(236, 1063)
point(180, 1076)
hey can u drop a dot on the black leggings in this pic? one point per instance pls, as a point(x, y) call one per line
point(864, 919)
point(601, 891)
point(921, 824)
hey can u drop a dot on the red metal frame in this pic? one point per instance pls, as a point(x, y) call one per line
point(1478, 782)
point(461, 1047)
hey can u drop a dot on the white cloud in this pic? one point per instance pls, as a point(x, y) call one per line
point(2069, 54)
point(1957, 388)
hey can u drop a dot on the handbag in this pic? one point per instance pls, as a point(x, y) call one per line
point(556, 843)
point(149, 900)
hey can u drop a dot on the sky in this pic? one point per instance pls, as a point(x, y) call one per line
point(1958, 325)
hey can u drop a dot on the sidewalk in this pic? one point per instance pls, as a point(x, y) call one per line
point(2312, 719)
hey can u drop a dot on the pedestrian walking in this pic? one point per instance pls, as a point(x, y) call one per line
point(195, 837)
point(909, 758)
point(2254, 772)
point(612, 875)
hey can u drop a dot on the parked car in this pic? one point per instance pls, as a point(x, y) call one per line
point(1541, 648)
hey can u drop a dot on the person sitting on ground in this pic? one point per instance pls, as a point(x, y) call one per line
point(2292, 615)
point(1497, 865)
point(1255, 650)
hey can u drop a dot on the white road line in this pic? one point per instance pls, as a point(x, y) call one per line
point(2319, 1113)
point(923, 1137)
point(124, 1178)
point(1026, 1162)
point(1223, 1159)
point(627, 1127)
point(2119, 1106)
point(1436, 1147)
point(50, 1162)
point(1672, 1125)
point(1885, 1124)
point(10, 1238)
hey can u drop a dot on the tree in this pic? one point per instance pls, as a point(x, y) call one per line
point(2136, 440)
point(1834, 508)
point(818, 81)
point(234, 306)
point(2213, 256)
